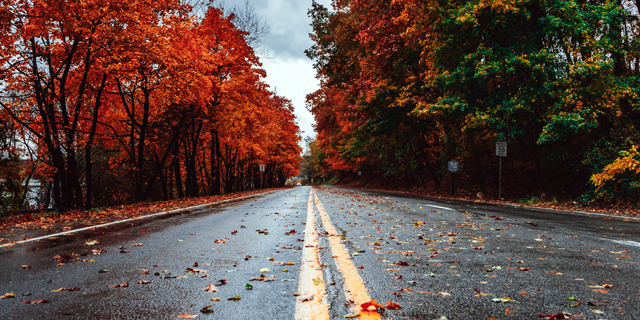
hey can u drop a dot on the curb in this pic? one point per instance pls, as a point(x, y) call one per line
point(162, 213)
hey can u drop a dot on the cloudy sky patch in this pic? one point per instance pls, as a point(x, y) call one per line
point(289, 71)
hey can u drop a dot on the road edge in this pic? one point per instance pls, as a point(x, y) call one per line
point(153, 215)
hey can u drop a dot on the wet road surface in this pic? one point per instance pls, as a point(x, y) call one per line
point(435, 260)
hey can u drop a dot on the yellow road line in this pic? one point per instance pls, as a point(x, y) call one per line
point(354, 287)
point(312, 304)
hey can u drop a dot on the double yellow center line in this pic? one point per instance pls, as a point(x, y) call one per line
point(312, 304)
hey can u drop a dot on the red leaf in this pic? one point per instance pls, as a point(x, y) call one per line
point(372, 303)
point(393, 306)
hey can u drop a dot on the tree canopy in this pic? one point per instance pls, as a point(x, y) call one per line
point(408, 85)
point(125, 101)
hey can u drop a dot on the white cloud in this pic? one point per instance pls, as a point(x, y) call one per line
point(293, 79)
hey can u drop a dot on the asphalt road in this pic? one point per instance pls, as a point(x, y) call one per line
point(435, 260)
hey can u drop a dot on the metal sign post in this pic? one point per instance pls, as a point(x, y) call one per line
point(261, 172)
point(453, 166)
point(501, 151)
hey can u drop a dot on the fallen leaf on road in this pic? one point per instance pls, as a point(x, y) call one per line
point(144, 271)
point(192, 270)
point(214, 299)
point(137, 244)
point(248, 286)
point(8, 295)
point(90, 242)
point(264, 270)
point(372, 303)
point(63, 257)
point(401, 263)
point(206, 309)
point(210, 288)
point(234, 298)
point(503, 299)
point(221, 282)
point(600, 290)
point(121, 285)
point(392, 305)
point(444, 293)
point(305, 298)
point(66, 289)
point(35, 301)
point(144, 282)
point(187, 316)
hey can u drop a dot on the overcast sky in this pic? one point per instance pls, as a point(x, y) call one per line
point(289, 72)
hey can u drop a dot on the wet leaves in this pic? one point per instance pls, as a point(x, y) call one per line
point(372, 303)
point(559, 315)
point(192, 270)
point(207, 310)
point(66, 289)
point(210, 288)
point(36, 301)
point(120, 285)
point(63, 257)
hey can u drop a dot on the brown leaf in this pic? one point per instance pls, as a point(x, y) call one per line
point(196, 270)
point(121, 285)
point(137, 244)
point(392, 305)
point(211, 288)
point(66, 289)
point(63, 257)
point(35, 301)
point(144, 282)
point(304, 298)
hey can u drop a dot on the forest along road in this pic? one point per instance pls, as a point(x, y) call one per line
point(321, 253)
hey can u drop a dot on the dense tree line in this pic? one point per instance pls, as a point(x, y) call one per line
point(117, 101)
point(408, 85)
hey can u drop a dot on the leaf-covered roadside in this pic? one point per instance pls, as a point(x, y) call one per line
point(618, 209)
point(44, 223)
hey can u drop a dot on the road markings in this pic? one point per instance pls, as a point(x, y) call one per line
point(629, 243)
point(439, 207)
point(354, 287)
point(314, 305)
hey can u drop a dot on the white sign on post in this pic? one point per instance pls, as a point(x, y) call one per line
point(501, 149)
point(262, 168)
